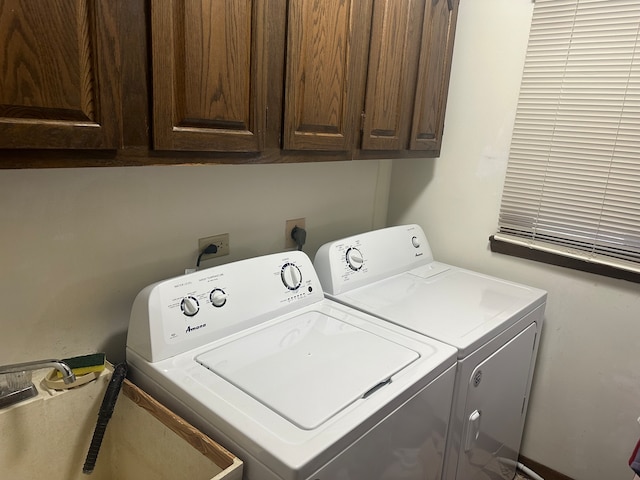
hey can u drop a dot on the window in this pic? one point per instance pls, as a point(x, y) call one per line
point(572, 187)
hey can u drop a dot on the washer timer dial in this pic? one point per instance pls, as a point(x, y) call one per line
point(291, 276)
point(189, 306)
point(354, 259)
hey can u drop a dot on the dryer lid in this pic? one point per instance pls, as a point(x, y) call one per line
point(309, 367)
point(461, 308)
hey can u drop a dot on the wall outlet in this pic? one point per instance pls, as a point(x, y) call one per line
point(221, 241)
point(289, 243)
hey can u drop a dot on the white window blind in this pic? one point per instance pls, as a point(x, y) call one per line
point(573, 177)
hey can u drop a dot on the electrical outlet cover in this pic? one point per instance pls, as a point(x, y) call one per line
point(289, 243)
point(221, 241)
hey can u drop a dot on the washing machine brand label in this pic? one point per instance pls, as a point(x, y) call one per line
point(195, 327)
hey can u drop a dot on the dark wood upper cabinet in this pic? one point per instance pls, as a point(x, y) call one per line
point(326, 60)
point(436, 52)
point(391, 79)
point(400, 49)
point(59, 85)
point(209, 74)
point(407, 82)
point(222, 81)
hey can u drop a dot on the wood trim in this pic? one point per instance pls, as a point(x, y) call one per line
point(205, 445)
point(139, 156)
point(542, 470)
point(274, 64)
point(109, 111)
point(508, 248)
point(133, 21)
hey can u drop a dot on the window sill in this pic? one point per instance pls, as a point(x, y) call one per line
point(513, 250)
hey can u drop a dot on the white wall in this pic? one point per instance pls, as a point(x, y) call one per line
point(77, 245)
point(586, 393)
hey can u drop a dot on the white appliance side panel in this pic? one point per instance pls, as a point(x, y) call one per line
point(494, 411)
point(407, 445)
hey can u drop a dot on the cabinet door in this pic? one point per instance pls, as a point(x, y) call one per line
point(327, 45)
point(209, 74)
point(391, 77)
point(436, 51)
point(58, 74)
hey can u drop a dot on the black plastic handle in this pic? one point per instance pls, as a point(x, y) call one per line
point(106, 410)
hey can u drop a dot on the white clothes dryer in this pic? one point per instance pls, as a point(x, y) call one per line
point(296, 385)
point(494, 325)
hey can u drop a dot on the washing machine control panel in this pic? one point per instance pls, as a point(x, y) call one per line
point(198, 308)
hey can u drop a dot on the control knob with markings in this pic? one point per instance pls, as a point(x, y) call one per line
point(189, 306)
point(291, 276)
point(218, 297)
point(354, 259)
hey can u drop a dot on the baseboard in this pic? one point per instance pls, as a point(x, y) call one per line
point(542, 470)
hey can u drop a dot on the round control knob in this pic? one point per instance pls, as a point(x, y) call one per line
point(415, 242)
point(218, 297)
point(189, 306)
point(354, 259)
point(291, 276)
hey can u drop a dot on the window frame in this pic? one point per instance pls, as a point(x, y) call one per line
point(558, 206)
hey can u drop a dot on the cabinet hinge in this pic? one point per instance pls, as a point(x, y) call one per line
point(362, 117)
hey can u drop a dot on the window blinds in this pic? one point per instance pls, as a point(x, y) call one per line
point(573, 178)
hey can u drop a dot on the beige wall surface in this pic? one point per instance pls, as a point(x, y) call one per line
point(586, 392)
point(77, 245)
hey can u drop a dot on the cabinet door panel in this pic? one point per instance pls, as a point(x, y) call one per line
point(438, 33)
point(217, 90)
point(391, 79)
point(58, 74)
point(327, 43)
point(208, 74)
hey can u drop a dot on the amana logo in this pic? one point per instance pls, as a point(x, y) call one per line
point(197, 327)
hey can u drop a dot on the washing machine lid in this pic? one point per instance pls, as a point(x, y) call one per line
point(462, 308)
point(309, 367)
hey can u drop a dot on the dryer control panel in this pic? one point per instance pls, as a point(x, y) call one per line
point(182, 313)
point(366, 258)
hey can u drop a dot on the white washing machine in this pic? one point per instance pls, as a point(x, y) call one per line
point(494, 324)
point(294, 384)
